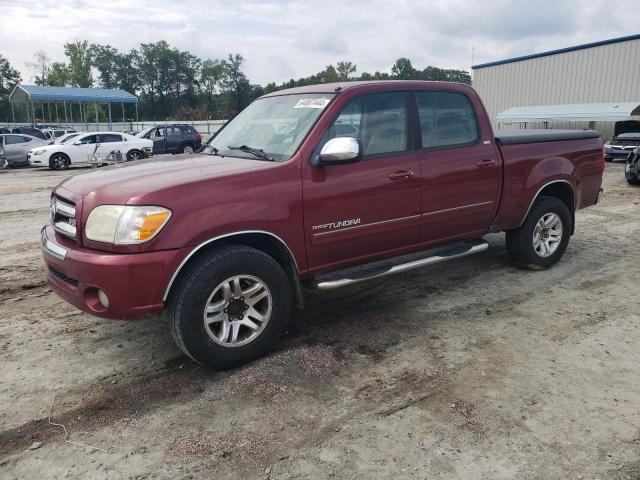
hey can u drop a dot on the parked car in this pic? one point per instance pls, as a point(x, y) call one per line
point(626, 137)
point(88, 146)
point(177, 138)
point(632, 168)
point(54, 133)
point(16, 148)
point(65, 138)
point(226, 243)
point(3, 159)
point(34, 132)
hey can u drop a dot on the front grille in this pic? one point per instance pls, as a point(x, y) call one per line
point(63, 216)
point(61, 276)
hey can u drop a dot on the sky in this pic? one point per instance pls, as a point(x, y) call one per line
point(282, 39)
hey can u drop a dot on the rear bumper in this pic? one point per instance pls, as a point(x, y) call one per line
point(133, 283)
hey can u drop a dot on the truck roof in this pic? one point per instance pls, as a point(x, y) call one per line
point(342, 86)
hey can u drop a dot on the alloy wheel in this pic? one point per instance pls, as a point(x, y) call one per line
point(547, 234)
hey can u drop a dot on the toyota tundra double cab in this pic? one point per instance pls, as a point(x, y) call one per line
point(317, 187)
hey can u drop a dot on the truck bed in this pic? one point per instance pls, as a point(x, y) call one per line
point(512, 137)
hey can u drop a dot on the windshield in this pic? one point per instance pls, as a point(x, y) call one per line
point(144, 132)
point(629, 135)
point(274, 125)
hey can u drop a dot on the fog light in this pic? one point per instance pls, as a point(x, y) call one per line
point(104, 300)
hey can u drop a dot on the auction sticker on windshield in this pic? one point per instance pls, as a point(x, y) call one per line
point(312, 103)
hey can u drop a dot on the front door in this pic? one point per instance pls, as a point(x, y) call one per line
point(159, 140)
point(369, 208)
point(461, 168)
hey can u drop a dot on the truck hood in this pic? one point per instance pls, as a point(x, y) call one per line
point(126, 182)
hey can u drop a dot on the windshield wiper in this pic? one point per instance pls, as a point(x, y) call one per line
point(257, 152)
point(214, 150)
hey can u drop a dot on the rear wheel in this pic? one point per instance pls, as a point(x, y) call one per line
point(543, 237)
point(187, 149)
point(231, 305)
point(59, 161)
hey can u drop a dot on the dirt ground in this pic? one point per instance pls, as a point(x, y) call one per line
point(473, 369)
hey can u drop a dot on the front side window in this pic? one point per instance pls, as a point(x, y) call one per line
point(275, 125)
point(446, 119)
point(13, 139)
point(377, 120)
point(89, 139)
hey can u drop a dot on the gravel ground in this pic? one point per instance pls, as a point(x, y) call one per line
point(472, 369)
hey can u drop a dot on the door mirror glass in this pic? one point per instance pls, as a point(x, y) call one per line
point(79, 142)
point(340, 150)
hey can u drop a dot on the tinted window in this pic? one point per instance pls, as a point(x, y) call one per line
point(187, 129)
point(13, 139)
point(58, 133)
point(26, 139)
point(378, 121)
point(110, 138)
point(446, 119)
point(173, 131)
point(89, 139)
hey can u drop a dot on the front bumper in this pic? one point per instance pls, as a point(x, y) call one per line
point(134, 283)
point(615, 152)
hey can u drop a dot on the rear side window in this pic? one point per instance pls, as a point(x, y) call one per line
point(377, 120)
point(110, 138)
point(26, 139)
point(89, 139)
point(172, 131)
point(446, 119)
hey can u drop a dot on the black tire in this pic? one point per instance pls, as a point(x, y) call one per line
point(191, 293)
point(632, 174)
point(520, 242)
point(632, 179)
point(133, 155)
point(59, 161)
point(188, 148)
point(608, 159)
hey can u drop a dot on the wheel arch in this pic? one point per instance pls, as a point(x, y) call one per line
point(262, 240)
point(560, 189)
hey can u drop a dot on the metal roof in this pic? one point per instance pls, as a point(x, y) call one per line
point(581, 112)
point(562, 50)
point(37, 93)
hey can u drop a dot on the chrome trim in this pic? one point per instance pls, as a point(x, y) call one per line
point(457, 208)
point(486, 142)
point(220, 237)
point(65, 229)
point(365, 225)
point(65, 209)
point(402, 267)
point(538, 193)
point(52, 248)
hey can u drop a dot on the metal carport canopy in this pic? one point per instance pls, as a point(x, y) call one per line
point(580, 112)
point(37, 93)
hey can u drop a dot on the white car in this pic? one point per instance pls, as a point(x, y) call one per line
point(88, 148)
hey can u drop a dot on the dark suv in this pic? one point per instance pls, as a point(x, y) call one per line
point(176, 138)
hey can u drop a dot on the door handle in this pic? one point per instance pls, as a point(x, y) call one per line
point(401, 175)
point(487, 162)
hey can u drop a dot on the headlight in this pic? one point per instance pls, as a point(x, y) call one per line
point(125, 225)
point(40, 151)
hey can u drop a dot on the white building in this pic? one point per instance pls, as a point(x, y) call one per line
point(600, 72)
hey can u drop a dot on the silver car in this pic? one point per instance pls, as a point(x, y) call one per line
point(16, 147)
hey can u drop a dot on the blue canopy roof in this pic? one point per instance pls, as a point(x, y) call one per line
point(37, 93)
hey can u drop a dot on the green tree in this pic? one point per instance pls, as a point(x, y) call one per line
point(211, 74)
point(105, 58)
point(403, 70)
point(79, 55)
point(344, 70)
point(9, 78)
point(58, 75)
point(234, 83)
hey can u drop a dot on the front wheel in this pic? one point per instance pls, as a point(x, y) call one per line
point(543, 237)
point(230, 305)
point(134, 155)
point(59, 161)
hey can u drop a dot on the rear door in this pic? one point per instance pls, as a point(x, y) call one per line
point(16, 148)
point(174, 139)
point(371, 207)
point(111, 143)
point(460, 165)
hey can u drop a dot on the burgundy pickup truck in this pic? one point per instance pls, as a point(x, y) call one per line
point(315, 187)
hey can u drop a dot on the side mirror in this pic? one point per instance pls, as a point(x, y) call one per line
point(78, 142)
point(340, 150)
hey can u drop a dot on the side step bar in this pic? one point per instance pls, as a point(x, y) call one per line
point(463, 250)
